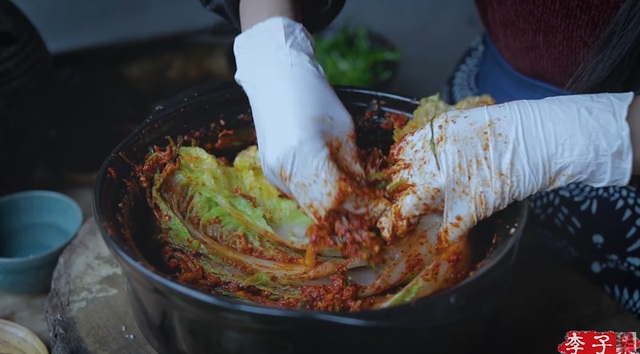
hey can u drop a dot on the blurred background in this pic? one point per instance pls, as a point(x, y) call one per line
point(112, 62)
point(431, 35)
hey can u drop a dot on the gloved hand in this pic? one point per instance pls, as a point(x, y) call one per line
point(478, 161)
point(305, 135)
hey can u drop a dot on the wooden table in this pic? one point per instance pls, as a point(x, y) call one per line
point(87, 310)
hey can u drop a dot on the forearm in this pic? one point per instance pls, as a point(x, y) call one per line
point(633, 117)
point(255, 11)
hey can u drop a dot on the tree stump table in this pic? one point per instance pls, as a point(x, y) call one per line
point(88, 311)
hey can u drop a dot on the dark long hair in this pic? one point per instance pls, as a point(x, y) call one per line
point(613, 65)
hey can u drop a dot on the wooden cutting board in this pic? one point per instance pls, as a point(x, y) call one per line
point(87, 310)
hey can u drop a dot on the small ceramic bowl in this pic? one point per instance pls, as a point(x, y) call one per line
point(35, 227)
point(15, 338)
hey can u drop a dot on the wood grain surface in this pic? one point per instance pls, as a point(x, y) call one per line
point(87, 309)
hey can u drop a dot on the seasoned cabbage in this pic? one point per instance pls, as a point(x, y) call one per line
point(227, 231)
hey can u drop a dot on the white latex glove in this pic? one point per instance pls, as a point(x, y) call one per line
point(487, 157)
point(305, 135)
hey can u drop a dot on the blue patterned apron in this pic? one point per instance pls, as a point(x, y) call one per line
point(595, 229)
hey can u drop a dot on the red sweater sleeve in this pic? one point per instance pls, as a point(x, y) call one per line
point(546, 40)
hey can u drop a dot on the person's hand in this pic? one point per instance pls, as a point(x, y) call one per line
point(471, 163)
point(305, 135)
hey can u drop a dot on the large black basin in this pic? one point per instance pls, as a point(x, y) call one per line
point(178, 319)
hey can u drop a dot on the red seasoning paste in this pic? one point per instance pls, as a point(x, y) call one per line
point(216, 224)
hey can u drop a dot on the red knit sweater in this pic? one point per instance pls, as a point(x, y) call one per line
point(546, 40)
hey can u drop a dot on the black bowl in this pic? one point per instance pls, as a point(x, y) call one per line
point(178, 319)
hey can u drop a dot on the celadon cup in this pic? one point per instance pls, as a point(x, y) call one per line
point(35, 227)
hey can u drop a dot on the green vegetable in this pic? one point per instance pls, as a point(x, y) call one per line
point(226, 230)
point(230, 209)
point(233, 224)
point(350, 58)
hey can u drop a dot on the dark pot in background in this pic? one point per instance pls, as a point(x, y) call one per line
point(178, 319)
point(25, 79)
point(104, 93)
